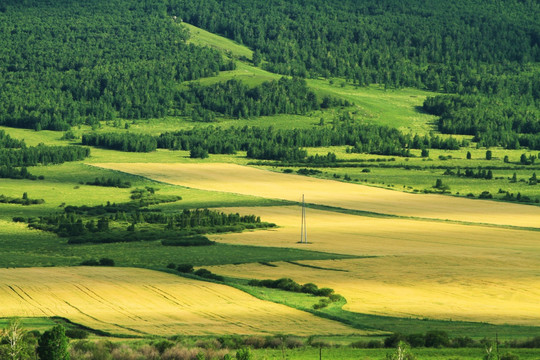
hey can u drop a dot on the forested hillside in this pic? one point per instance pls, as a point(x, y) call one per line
point(436, 44)
point(65, 63)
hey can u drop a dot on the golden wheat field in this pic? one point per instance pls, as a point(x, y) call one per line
point(140, 302)
point(444, 287)
point(423, 269)
point(251, 181)
point(333, 232)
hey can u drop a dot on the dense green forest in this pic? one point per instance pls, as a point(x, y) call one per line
point(64, 63)
point(439, 45)
point(235, 99)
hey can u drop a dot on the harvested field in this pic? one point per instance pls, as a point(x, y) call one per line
point(252, 181)
point(143, 302)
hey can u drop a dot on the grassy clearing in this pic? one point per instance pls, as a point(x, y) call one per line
point(142, 302)
point(250, 181)
point(202, 37)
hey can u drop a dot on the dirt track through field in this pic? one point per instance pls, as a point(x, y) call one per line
point(143, 302)
point(251, 181)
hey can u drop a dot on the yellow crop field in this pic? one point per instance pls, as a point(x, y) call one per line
point(423, 269)
point(141, 302)
point(251, 181)
point(444, 287)
point(333, 232)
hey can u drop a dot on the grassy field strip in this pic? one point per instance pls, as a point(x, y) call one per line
point(251, 181)
point(140, 302)
point(465, 288)
point(202, 37)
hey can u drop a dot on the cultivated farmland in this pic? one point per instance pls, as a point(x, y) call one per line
point(141, 302)
point(422, 269)
point(250, 181)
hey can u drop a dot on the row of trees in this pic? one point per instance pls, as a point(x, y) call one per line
point(270, 143)
point(121, 141)
point(236, 99)
point(42, 154)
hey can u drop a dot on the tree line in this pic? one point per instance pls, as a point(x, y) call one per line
point(236, 99)
point(42, 154)
point(509, 121)
point(121, 141)
point(280, 144)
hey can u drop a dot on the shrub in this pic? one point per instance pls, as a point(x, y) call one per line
point(106, 262)
point(375, 344)
point(321, 304)
point(77, 334)
point(437, 338)
point(274, 343)
point(393, 340)
point(309, 288)
point(255, 342)
point(293, 343)
point(324, 292)
point(91, 262)
point(485, 195)
point(509, 356)
point(416, 340)
point(208, 275)
point(163, 345)
point(53, 344)
point(244, 354)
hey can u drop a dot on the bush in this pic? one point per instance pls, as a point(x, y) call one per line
point(324, 292)
point(274, 343)
point(309, 288)
point(293, 343)
point(485, 195)
point(90, 262)
point(53, 344)
point(509, 356)
point(208, 275)
point(416, 340)
point(437, 338)
point(106, 262)
point(244, 354)
point(255, 342)
point(77, 334)
point(393, 340)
